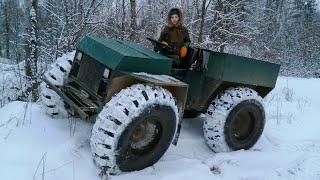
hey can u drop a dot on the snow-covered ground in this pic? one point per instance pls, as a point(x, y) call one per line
point(35, 146)
point(11, 85)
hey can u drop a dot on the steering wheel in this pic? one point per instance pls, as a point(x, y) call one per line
point(161, 44)
point(153, 41)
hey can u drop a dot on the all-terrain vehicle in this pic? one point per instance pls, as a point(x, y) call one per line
point(138, 100)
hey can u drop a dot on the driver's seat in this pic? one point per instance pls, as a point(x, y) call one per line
point(181, 70)
point(189, 59)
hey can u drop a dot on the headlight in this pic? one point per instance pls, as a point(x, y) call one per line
point(106, 73)
point(79, 56)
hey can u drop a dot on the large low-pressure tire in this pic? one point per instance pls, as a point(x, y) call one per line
point(59, 72)
point(134, 129)
point(234, 120)
point(53, 104)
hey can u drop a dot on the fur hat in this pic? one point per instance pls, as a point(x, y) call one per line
point(175, 11)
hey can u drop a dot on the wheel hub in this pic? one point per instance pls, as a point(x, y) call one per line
point(139, 132)
point(243, 124)
point(144, 136)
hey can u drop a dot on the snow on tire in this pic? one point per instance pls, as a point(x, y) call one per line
point(56, 75)
point(52, 102)
point(234, 120)
point(115, 136)
point(60, 69)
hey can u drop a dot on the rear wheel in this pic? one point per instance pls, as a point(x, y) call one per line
point(134, 129)
point(234, 120)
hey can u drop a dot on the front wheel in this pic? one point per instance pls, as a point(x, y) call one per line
point(134, 129)
point(234, 120)
point(146, 138)
point(53, 104)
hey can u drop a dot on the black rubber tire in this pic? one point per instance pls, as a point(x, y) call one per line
point(52, 102)
point(117, 121)
point(254, 108)
point(129, 160)
point(191, 114)
point(221, 130)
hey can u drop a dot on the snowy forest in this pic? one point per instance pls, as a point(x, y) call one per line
point(34, 33)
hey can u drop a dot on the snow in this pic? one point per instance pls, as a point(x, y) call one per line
point(288, 149)
point(11, 86)
point(4, 60)
point(32, 12)
point(163, 78)
point(61, 62)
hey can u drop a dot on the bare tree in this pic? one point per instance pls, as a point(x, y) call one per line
point(229, 26)
point(123, 19)
point(7, 28)
point(204, 8)
point(32, 75)
point(133, 25)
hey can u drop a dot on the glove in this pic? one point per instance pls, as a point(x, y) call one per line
point(165, 44)
point(183, 52)
point(170, 48)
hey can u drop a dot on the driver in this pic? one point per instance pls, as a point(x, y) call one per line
point(175, 34)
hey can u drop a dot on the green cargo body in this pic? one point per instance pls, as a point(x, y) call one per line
point(222, 71)
point(231, 68)
point(124, 56)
